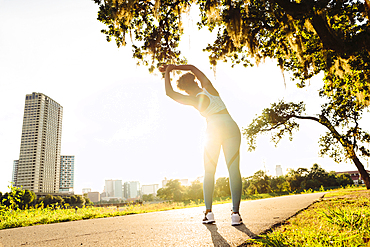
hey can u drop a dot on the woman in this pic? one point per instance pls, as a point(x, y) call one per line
point(221, 131)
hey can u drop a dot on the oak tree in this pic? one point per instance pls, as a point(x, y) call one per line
point(343, 140)
point(304, 37)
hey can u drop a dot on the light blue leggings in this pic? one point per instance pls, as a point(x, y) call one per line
point(222, 131)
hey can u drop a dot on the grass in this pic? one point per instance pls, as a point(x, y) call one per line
point(48, 215)
point(37, 216)
point(342, 218)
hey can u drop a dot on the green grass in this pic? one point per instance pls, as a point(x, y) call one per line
point(37, 216)
point(342, 218)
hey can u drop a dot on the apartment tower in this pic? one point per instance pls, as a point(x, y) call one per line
point(39, 158)
point(67, 168)
point(131, 189)
point(113, 188)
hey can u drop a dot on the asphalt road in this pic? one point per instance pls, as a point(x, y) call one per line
point(181, 227)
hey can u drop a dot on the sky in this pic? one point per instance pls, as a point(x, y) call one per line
point(117, 120)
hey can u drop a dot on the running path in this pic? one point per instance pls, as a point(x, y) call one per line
point(181, 227)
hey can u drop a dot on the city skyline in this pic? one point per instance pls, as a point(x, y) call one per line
point(117, 119)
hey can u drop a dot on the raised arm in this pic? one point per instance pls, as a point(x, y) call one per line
point(183, 99)
point(204, 81)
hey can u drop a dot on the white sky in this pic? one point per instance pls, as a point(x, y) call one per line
point(117, 119)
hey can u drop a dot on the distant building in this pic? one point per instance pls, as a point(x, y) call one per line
point(131, 189)
point(15, 172)
point(355, 176)
point(183, 182)
point(67, 167)
point(86, 190)
point(93, 196)
point(113, 188)
point(103, 194)
point(39, 157)
point(149, 189)
point(279, 171)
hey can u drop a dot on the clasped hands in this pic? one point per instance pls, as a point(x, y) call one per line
point(166, 67)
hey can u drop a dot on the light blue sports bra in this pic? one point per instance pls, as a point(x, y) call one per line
point(215, 104)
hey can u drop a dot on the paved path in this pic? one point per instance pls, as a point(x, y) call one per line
point(179, 227)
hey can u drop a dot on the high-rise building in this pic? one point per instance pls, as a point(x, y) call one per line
point(113, 188)
point(149, 189)
point(15, 172)
point(67, 167)
point(131, 189)
point(279, 171)
point(39, 158)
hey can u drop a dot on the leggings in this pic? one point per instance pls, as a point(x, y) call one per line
point(222, 131)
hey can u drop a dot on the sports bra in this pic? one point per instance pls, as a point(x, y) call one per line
point(215, 104)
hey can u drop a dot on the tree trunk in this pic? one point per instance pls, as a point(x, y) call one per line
point(349, 148)
point(363, 172)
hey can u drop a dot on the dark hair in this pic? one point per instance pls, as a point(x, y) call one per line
point(185, 81)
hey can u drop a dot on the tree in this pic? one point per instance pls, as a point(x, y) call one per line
point(13, 199)
point(305, 37)
point(343, 140)
point(47, 200)
point(195, 191)
point(295, 178)
point(246, 182)
point(279, 184)
point(173, 191)
point(344, 179)
point(27, 198)
point(260, 183)
point(222, 187)
point(148, 197)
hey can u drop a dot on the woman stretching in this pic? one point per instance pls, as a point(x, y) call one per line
point(221, 131)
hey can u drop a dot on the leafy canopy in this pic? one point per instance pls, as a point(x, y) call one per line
point(305, 37)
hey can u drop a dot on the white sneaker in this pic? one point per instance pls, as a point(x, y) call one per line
point(236, 219)
point(209, 218)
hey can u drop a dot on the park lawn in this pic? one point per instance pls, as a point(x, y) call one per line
point(341, 218)
point(48, 215)
point(38, 216)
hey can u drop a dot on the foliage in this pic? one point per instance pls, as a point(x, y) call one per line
point(172, 191)
point(222, 187)
point(295, 181)
point(344, 138)
point(260, 183)
point(155, 26)
point(40, 214)
point(17, 198)
point(194, 191)
point(304, 37)
point(340, 220)
point(50, 200)
point(148, 198)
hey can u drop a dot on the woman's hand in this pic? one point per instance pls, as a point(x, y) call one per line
point(162, 68)
point(166, 67)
